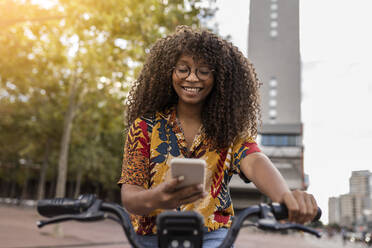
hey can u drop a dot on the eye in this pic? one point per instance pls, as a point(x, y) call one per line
point(204, 70)
point(182, 68)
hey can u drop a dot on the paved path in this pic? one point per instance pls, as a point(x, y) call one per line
point(18, 230)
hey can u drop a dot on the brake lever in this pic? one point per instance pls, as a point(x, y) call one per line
point(272, 224)
point(303, 228)
point(84, 217)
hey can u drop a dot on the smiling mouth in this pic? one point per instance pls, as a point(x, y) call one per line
point(192, 89)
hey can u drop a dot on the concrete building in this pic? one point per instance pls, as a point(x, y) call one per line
point(273, 48)
point(346, 210)
point(334, 211)
point(355, 208)
point(361, 183)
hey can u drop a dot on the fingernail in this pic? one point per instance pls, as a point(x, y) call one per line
point(181, 178)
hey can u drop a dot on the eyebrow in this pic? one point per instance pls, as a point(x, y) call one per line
point(198, 65)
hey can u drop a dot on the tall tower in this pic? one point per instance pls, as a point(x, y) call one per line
point(274, 50)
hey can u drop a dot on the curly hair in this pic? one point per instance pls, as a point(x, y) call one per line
point(231, 109)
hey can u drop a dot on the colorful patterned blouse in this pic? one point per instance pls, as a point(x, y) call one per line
point(153, 142)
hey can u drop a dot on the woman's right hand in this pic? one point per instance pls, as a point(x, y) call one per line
point(167, 196)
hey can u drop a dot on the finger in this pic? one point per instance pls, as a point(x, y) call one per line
point(302, 213)
point(171, 185)
point(309, 208)
point(190, 190)
point(292, 206)
point(193, 198)
point(315, 207)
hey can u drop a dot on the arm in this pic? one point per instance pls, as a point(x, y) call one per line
point(260, 170)
point(131, 195)
point(140, 201)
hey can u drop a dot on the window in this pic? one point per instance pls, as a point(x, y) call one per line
point(273, 82)
point(273, 92)
point(274, 15)
point(272, 113)
point(273, 33)
point(280, 140)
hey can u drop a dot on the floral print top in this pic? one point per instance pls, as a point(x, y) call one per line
point(150, 146)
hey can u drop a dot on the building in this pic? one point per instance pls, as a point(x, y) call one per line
point(334, 213)
point(273, 48)
point(361, 183)
point(351, 206)
point(354, 209)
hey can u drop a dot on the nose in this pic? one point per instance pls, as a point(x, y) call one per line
point(192, 77)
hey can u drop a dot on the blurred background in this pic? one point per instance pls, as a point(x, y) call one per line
point(66, 68)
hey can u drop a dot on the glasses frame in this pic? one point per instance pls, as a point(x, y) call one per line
point(195, 72)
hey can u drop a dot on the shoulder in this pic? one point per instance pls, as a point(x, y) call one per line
point(146, 123)
point(141, 125)
point(245, 144)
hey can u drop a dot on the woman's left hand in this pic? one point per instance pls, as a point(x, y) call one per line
point(302, 206)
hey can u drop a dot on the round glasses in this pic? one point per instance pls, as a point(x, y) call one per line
point(202, 73)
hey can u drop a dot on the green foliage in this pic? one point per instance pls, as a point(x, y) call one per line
point(97, 45)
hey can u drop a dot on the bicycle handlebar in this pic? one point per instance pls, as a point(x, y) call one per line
point(59, 206)
point(89, 208)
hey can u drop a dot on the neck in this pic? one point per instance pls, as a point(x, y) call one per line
point(187, 112)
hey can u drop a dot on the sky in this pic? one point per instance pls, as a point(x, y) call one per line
point(336, 53)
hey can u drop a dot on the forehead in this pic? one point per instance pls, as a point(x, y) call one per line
point(191, 59)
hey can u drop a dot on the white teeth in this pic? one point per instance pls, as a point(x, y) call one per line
point(190, 89)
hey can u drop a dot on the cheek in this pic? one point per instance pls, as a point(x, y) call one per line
point(211, 85)
point(174, 80)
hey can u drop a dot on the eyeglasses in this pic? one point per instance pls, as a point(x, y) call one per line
point(183, 71)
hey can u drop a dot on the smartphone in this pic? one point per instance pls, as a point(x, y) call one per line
point(192, 169)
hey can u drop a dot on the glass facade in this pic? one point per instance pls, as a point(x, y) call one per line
point(280, 140)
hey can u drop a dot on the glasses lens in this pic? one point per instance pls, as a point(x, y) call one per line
point(203, 73)
point(182, 71)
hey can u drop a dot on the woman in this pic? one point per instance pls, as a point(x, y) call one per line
point(197, 97)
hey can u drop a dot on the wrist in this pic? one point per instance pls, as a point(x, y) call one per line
point(281, 197)
point(152, 202)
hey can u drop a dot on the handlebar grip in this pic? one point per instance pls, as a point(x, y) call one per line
point(280, 212)
point(60, 206)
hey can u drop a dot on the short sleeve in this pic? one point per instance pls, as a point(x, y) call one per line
point(135, 167)
point(242, 148)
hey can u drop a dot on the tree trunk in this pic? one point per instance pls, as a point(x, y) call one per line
point(79, 175)
point(43, 170)
point(13, 185)
point(25, 182)
point(65, 142)
point(51, 191)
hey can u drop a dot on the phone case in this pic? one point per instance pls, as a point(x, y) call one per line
point(192, 169)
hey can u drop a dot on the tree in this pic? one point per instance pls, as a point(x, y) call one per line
point(67, 68)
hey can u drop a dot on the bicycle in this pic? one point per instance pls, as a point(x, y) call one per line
point(175, 229)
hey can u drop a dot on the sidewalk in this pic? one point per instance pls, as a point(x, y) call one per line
point(18, 230)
